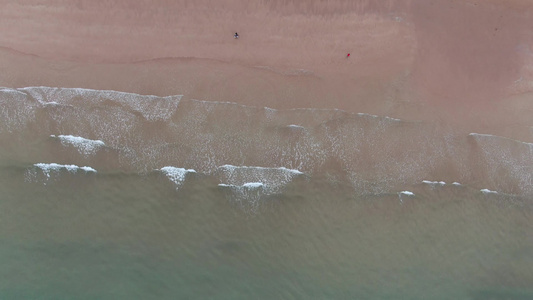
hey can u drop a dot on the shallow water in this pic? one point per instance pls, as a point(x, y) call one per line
point(254, 203)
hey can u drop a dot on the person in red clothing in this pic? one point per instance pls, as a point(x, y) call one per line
point(348, 55)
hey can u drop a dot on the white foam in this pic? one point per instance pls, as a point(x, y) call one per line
point(53, 103)
point(253, 185)
point(248, 185)
point(491, 136)
point(456, 183)
point(282, 169)
point(270, 112)
point(406, 193)
point(53, 167)
point(207, 102)
point(434, 183)
point(482, 134)
point(295, 126)
point(12, 91)
point(88, 169)
point(487, 191)
point(84, 146)
point(176, 175)
point(378, 117)
point(272, 178)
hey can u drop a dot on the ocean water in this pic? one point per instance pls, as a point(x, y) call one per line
point(112, 195)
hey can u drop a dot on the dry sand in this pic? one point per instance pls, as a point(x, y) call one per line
point(410, 59)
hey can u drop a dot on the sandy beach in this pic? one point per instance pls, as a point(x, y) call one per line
point(407, 58)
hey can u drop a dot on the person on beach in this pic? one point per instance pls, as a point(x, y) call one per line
point(236, 36)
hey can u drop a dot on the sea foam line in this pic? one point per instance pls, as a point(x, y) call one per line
point(293, 126)
point(434, 183)
point(81, 91)
point(487, 191)
point(378, 117)
point(248, 185)
point(40, 93)
point(37, 93)
point(483, 135)
point(152, 107)
point(49, 167)
point(405, 193)
point(232, 168)
point(310, 109)
point(84, 146)
point(252, 183)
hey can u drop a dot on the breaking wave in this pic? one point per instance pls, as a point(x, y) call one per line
point(46, 171)
point(140, 133)
point(176, 175)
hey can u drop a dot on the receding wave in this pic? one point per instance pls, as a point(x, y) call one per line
point(54, 170)
point(507, 162)
point(125, 132)
point(53, 167)
point(84, 146)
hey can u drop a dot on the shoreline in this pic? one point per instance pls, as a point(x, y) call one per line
point(408, 59)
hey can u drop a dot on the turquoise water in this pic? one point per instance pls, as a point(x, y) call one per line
point(120, 236)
